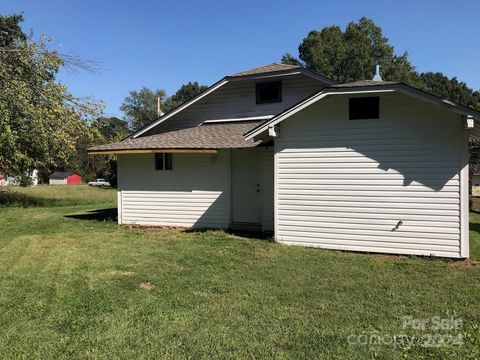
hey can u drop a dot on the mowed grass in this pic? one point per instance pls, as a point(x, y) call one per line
point(74, 284)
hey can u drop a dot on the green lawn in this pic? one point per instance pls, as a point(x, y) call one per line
point(74, 284)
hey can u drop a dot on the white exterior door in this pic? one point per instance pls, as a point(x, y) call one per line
point(245, 186)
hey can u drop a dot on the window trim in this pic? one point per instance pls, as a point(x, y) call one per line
point(258, 87)
point(358, 99)
point(163, 161)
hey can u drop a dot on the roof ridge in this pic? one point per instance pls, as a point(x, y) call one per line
point(364, 83)
point(271, 67)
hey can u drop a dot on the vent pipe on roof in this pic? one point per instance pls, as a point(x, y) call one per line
point(377, 76)
point(159, 110)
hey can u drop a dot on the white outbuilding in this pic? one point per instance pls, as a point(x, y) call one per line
point(64, 178)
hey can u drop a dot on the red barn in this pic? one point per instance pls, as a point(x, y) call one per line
point(64, 178)
point(74, 179)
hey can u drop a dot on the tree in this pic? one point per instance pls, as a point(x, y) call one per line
point(290, 60)
point(140, 107)
point(100, 131)
point(351, 55)
point(452, 89)
point(185, 93)
point(110, 171)
point(40, 121)
point(111, 128)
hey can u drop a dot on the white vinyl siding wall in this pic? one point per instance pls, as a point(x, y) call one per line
point(196, 193)
point(57, 181)
point(345, 184)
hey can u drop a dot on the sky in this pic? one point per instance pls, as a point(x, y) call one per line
point(164, 44)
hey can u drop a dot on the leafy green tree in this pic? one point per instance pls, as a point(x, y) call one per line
point(140, 107)
point(11, 32)
point(351, 55)
point(450, 88)
point(40, 121)
point(185, 93)
point(111, 128)
point(100, 131)
point(82, 163)
point(290, 60)
point(110, 171)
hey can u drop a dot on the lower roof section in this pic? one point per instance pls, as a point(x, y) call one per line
point(153, 151)
point(204, 138)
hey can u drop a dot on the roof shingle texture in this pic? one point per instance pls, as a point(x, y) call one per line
point(266, 69)
point(206, 136)
point(59, 175)
point(364, 83)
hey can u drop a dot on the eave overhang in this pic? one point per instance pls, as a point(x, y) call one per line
point(261, 130)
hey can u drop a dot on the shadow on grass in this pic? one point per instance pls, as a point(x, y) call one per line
point(245, 234)
point(109, 215)
point(475, 227)
point(475, 210)
point(10, 198)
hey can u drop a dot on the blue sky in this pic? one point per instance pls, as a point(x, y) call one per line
point(163, 44)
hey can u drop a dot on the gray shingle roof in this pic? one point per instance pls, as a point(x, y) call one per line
point(207, 136)
point(266, 69)
point(364, 83)
point(59, 175)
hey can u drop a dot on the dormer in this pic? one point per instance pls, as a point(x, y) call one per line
point(258, 93)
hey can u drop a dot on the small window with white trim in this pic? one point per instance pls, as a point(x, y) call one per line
point(163, 161)
point(364, 108)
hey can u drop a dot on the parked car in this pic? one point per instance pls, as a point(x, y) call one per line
point(99, 183)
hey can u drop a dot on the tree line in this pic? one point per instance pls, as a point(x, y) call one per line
point(350, 55)
point(139, 109)
point(45, 127)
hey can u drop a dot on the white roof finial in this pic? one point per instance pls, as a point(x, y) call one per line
point(377, 76)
